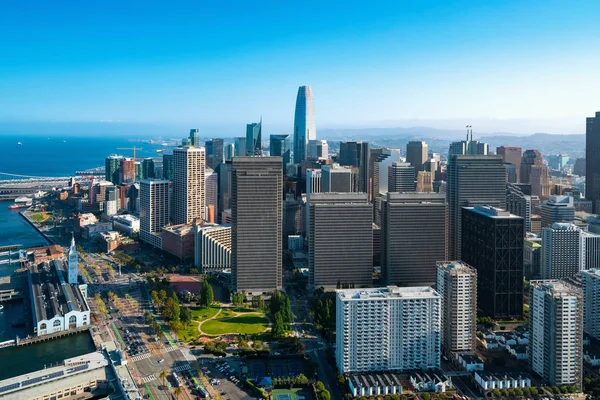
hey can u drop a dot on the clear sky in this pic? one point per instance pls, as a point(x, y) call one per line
point(533, 63)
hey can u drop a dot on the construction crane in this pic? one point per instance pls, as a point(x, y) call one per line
point(130, 148)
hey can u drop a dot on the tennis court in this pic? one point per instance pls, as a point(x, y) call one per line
point(291, 394)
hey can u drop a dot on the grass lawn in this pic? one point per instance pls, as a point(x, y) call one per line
point(202, 314)
point(244, 324)
point(304, 395)
point(190, 332)
point(38, 217)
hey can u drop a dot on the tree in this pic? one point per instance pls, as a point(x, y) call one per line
point(533, 391)
point(518, 392)
point(496, 392)
point(325, 395)
point(163, 378)
point(101, 304)
point(206, 295)
point(177, 392)
point(341, 380)
point(258, 302)
point(425, 396)
point(238, 299)
point(319, 386)
point(171, 310)
point(185, 315)
point(278, 326)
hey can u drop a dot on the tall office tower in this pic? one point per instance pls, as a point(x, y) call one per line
point(592, 163)
point(532, 256)
point(214, 153)
point(413, 237)
point(416, 155)
point(188, 184)
point(511, 155)
point(194, 138)
point(73, 264)
point(254, 138)
point(557, 209)
point(556, 332)
point(401, 178)
point(211, 188)
point(590, 250)
point(372, 328)
point(229, 151)
point(112, 169)
point(472, 180)
point(590, 284)
point(212, 247)
point(239, 147)
point(138, 171)
point(561, 251)
point(457, 285)
point(313, 185)
point(492, 242)
point(337, 179)
point(256, 219)
point(317, 150)
point(154, 210)
point(432, 165)
point(340, 248)
point(168, 167)
point(281, 146)
point(468, 146)
point(147, 165)
point(294, 220)
point(224, 190)
point(511, 173)
point(519, 204)
point(305, 128)
point(127, 170)
point(424, 182)
point(381, 160)
point(356, 154)
point(579, 167)
point(534, 172)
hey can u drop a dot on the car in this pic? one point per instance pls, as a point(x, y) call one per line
point(162, 360)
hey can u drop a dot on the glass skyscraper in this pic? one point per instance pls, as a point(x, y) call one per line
point(254, 138)
point(281, 146)
point(305, 128)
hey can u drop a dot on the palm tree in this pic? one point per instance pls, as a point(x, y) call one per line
point(177, 392)
point(163, 378)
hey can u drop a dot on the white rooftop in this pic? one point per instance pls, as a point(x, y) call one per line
point(389, 292)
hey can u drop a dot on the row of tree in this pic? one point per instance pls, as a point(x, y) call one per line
point(206, 296)
point(281, 314)
point(300, 379)
point(323, 314)
point(321, 392)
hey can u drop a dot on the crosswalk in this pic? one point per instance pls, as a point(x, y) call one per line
point(182, 367)
point(171, 348)
point(141, 357)
point(148, 378)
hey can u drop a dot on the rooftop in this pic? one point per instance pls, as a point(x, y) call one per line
point(390, 292)
point(456, 267)
point(492, 212)
point(556, 288)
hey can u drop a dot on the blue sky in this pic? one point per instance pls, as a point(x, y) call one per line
point(527, 65)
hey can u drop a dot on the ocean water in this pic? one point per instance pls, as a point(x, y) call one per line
point(62, 156)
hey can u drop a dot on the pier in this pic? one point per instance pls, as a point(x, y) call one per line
point(51, 336)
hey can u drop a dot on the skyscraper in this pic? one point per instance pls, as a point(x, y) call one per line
point(194, 138)
point(281, 146)
point(112, 169)
point(337, 179)
point(535, 172)
point(228, 151)
point(373, 325)
point(381, 160)
point(214, 153)
point(590, 284)
point(401, 178)
point(211, 188)
point(256, 224)
point(188, 184)
point(239, 147)
point(356, 154)
point(168, 167)
point(457, 285)
point(469, 146)
point(413, 237)
point(424, 182)
point(492, 243)
point(561, 251)
point(416, 155)
point(592, 161)
point(254, 138)
point(512, 155)
point(472, 180)
point(556, 332)
point(147, 165)
point(340, 246)
point(557, 209)
point(519, 204)
point(317, 149)
point(305, 128)
point(154, 210)
point(224, 190)
point(127, 170)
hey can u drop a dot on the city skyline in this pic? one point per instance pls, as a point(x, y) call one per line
point(440, 66)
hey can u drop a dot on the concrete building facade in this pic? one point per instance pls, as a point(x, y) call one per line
point(154, 210)
point(188, 184)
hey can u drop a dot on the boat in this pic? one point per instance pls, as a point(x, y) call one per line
point(1, 307)
point(14, 207)
point(20, 144)
point(159, 150)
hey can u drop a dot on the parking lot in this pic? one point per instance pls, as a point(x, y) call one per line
point(223, 374)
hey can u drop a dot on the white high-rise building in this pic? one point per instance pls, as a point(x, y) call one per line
point(561, 251)
point(154, 210)
point(457, 284)
point(590, 283)
point(317, 149)
point(590, 250)
point(73, 263)
point(556, 332)
point(189, 165)
point(387, 329)
point(305, 128)
point(211, 180)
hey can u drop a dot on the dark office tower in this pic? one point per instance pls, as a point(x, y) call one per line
point(214, 153)
point(305, 128)
point(534, 172)
point(113, 168)
point(511, 173)
point(254, 138)
point(592, 163)
point(281, 146)
point(194, 138)
point(224, 190)
point(337, 179)
point(356, 154)
point(413, 237)
point(472, 180)
point(579, 167)
point(519, 204)
point(256, 224)
point(416, 155)
point(168, 167)
point(511, 155)
point(147, 165)
point(401, 178)
point(340, 248)
point(492, 242)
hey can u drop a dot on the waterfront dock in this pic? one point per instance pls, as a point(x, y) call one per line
point(51, 336)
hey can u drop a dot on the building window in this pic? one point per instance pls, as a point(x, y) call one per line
point(56, 323)
point(43, 326)
point(72, 319)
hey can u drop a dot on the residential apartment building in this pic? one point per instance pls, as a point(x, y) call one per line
point(189, 165)
point(154, 210)
point(212, 250)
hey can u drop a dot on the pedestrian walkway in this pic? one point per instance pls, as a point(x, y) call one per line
point(182, 367)
point(171, 348)
point(141, 357)
point(148, 378)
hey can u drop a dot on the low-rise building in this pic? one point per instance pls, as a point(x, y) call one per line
point(127, 224)
point(430, 381)
point(375, 384)
point(92, 230)
point(489, 381)
point(470, 362)
point(179, 241)
point(519, 351)
point(212, 251)
point(109, 241)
